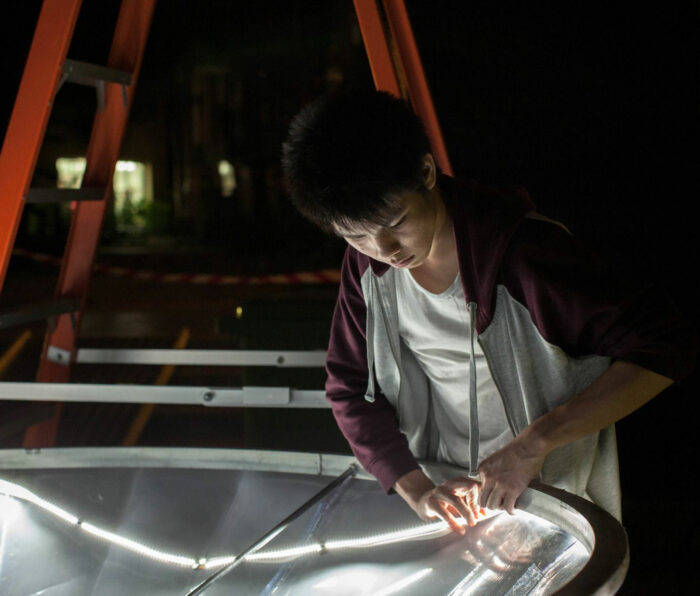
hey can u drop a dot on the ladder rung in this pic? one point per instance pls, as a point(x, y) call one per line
point(39, 311)
point(85, 73)
point(64, 195)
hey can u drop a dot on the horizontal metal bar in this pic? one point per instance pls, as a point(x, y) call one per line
point(294, 462)
point(64, 195)
point(85, 73)
point(258, 397)
point(289, 359)
point(39, 311)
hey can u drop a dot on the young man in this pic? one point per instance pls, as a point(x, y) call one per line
point(468, 328)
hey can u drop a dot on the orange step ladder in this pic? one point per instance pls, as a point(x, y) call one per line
point(395, 65)
point(45, 71)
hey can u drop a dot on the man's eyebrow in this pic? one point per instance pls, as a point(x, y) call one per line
point(398, 217)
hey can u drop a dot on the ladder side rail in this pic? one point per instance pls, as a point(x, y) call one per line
point(418, 89)
point(30, 115)
point(126, 54)
point(396, 65)
point(374, 36)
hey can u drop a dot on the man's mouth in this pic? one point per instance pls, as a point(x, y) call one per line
point(402, 263)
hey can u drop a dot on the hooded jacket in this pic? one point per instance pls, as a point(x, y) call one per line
point(549, 316)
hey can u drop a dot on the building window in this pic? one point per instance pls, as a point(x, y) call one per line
point(70, 172)
point(228, 178)
point(132, 187)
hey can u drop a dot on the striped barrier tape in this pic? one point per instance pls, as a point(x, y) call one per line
point(325, 276)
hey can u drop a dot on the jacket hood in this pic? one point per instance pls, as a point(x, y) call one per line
point(484, 220)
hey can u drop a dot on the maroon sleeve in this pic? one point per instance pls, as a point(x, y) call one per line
point(586, 306)
point(370, 428)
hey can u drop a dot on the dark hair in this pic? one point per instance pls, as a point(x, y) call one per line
point(348, 155)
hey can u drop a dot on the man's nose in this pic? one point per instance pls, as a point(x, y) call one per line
point(387, 245)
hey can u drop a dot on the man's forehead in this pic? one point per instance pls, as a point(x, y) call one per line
point(395, 205)
point(349, 227)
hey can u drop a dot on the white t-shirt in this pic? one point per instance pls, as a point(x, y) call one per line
point(436, 329)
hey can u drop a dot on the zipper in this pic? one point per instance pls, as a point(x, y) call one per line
point(474, 438)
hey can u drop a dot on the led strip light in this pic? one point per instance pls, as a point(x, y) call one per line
point(426, 531)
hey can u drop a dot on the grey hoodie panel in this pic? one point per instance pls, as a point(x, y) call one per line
point(397, 371)
point(535, 376)
point(532, 375)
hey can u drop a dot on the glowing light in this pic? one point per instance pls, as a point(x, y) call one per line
point(331, 582)
point(432, 530)
point(139, 548)
point(218, 562)
point(70, 171)
point(9, 509)
point(13, 490)
point(126, 166)
point(404, 583)
point(286, 554)
point(10, 489)
point(228, 178)
point(239, 312)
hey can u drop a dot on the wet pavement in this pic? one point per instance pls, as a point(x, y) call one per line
point(129, 313)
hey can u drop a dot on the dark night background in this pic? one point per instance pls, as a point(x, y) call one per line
point(593, 107)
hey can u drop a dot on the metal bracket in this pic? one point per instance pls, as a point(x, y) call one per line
point(58, 355)
point(266, 396)
point(58, 195)
point(85, 73)
point(95, 75)
point(261, 397)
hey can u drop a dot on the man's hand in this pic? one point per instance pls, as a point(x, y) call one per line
point(620, 390)
point(451, 501)
point(506, 474)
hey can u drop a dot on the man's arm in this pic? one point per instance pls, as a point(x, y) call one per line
point(370, 426)
point(619, 391)
point(623, 388)
point(585, 306)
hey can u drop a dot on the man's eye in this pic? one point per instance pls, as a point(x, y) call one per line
point(399, 223)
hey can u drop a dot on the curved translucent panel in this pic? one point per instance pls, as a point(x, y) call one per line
point(153, 530)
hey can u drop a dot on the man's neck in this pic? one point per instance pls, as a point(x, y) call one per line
point(439, 270)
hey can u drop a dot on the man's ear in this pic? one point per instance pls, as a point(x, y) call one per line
point(429, 171)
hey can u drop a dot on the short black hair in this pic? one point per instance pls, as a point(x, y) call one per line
point(348, 155)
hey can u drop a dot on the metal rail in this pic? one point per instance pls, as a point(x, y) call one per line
point(289, 359)
point(255, 397)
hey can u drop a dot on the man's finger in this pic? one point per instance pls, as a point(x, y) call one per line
point(450, 499)
point(471, 498)
point(485, 493)
point(455, 526)
point(495, 499)
point(509, 502)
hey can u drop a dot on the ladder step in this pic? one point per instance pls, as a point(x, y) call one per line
point(39, 311)
point(84, 73)
point(64, 195)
